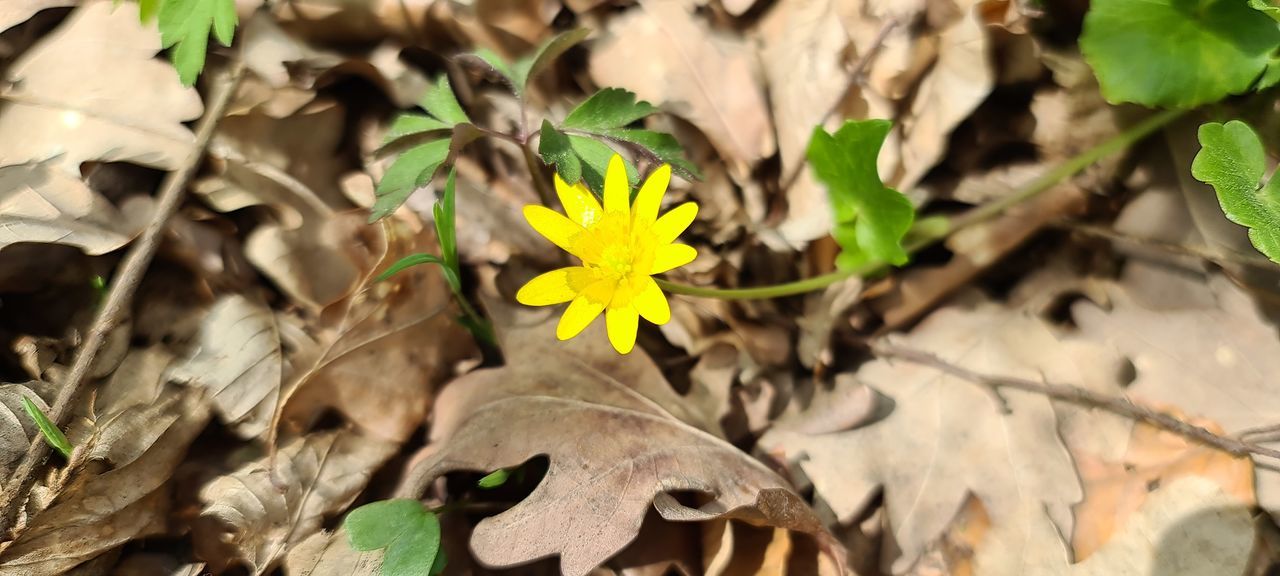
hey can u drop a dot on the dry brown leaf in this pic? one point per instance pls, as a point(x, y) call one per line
point(153, 564)
point(330, 553)
point(237, 360)
point(958, 82)
point(691, 72)
point(613, 454)
point(17, 430)
point(1114, 491)
point(255, 514)
point(401, 330)
point(14, 12)
point(1186, 528)
point(39, 203)
point(947, 438)
point(143, 430)
point(1185, 354)
point(61, 107)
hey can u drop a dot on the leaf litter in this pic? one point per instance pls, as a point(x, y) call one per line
point(263, 386)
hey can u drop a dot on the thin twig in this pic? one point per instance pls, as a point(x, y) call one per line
point(115, 307)
point(855, 80)
point(1201, 252)
point(1082, 397)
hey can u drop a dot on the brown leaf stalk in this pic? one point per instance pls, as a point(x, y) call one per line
point(119, 296)
point(1079, 396)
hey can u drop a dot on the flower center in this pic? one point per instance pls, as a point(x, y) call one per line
point(617, 260)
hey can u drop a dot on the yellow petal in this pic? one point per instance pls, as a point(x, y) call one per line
point(617, 192)
point(553, 287)
point(622, 324)
point(553, 225)
point(577, 316)
point(649, 199)
point(579, 203)
point(672, 256)
point(672, 224)
point(652, 303)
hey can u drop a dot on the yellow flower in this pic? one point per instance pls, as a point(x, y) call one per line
point(621, 247)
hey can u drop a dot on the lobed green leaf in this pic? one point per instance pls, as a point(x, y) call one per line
point(871, 219)
point(607, 109)
point(527, 68)
point(1233, 161)
point(439, 101)
point(185, 26)
point(595, 157)
point(409, 533)
point(556, 150)
point(410, 171)
point(1176, 53)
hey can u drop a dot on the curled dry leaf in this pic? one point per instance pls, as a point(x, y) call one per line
point(141, 430)
point(16, 12)
point(61, 107)
point(691, 72)
point(591, 503)
point(39, 203)
point(237, 360)
point(255, 514)
point(947, 438)
point(402, 330)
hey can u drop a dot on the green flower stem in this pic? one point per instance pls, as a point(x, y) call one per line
point(928, 236)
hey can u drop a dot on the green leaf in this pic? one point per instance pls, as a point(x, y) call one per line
point(664, 146)
point(440, 102)
point(409, 532)
point(606, 109)
point(595, 157)
point(494, 479)
point(555, 149)
point(444, 213)
point(185, 26)
point(607, 114)
point(494, 61)
point(147, 10)
point(410, 171)
point(411, 124)
point(525, 69)
point(1232, 160)
point(1266, 8)
point(870, 218)
point(1176, 53)
point(48, 429)
point(408, 262)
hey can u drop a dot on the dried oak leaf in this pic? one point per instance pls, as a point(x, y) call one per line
point(60, 106)
point(39, 203)
point(1214, 356)
point(1186, 528)
point(946, 438)
point(1115, 491)
point(255, 514)
point(694, 73)
point(15, 12)
point(325, 553)
point(138, 429)
point(237, 359)
point(613, 454)
point(402, 330)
